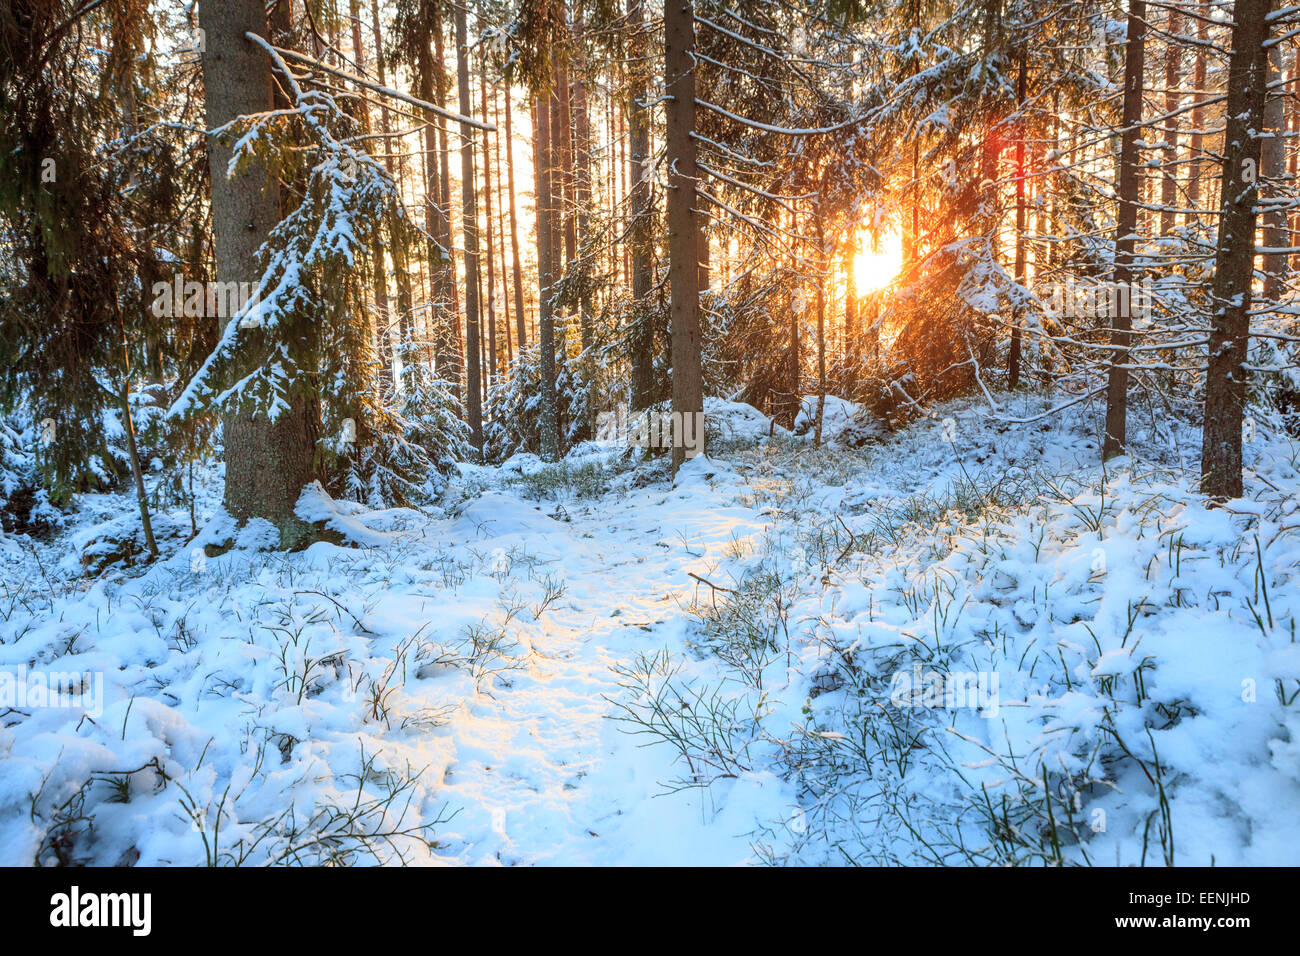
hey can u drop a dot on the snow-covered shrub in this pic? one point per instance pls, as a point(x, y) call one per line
point(514, 408)
point(25, 505)
point(1012, 668)
point(430, 414)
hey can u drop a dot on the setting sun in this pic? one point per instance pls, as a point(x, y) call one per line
point(875, 268)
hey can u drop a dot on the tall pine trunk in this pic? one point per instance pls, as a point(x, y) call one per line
point(521, 332)
point(383, 341)
point(1196, 147)
point(1022, 97)
point(542, 165)
point(683, 229)
point(1225, 381)
point(582, 169)
point(1169, 178)
point(1272, 165)
point(638, 169)
point(469, 229)
point(438, 255)
point(1130, 195)
point(268, 462)
point(490, 300)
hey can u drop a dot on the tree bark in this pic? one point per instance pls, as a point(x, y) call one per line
point(491, 371)
point(501, 228)
point(1196, 148)
point(1022, 97)
point(447, 355)
point(469, 229)
point(267, 462)
point(582, 169)
point(1272, 165)
point(1169, 180)
point(1130, 195)
point(521, 333)
point(638, 169)
point(397, 242)
point(1225, 382)
point(542, 164)
point(383, 341)
point(683, 228)
point(438, 254)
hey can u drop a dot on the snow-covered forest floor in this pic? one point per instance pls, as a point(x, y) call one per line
point(963, 642)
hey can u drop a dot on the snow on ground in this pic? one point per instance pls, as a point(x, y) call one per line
point(585, 664)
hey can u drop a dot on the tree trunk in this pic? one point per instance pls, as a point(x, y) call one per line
point(562, 154)
point(683, 229)
point(1196, 148)
point(1293, 154)
point(1272, 165)
point(438, 254)
point(1130, 195)
point(520, 331)
point(1225, 382)
point(1169, 180)
point(638, 169)
point(582, 169)
point(491, 371)
point(133, 452)
point(822, 270)
point(542, 165)
point(469, 228)
point(852, 335)
point(267, 462)
point(450, 350)
point(495, 184)
point(397, 243)
point(1022, 90)
point(383, 342)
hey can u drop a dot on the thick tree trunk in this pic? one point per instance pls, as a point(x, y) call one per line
point(469, 229)
point(267, 462)
point(1272, 164)
point(1130, 195)
point(1225, 383)
point(683, 228)
point(638, 169)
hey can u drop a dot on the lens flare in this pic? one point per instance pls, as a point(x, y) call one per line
point(878, 266)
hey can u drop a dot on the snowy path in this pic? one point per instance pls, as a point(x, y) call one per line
point(281, 690)
point(540, 772)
